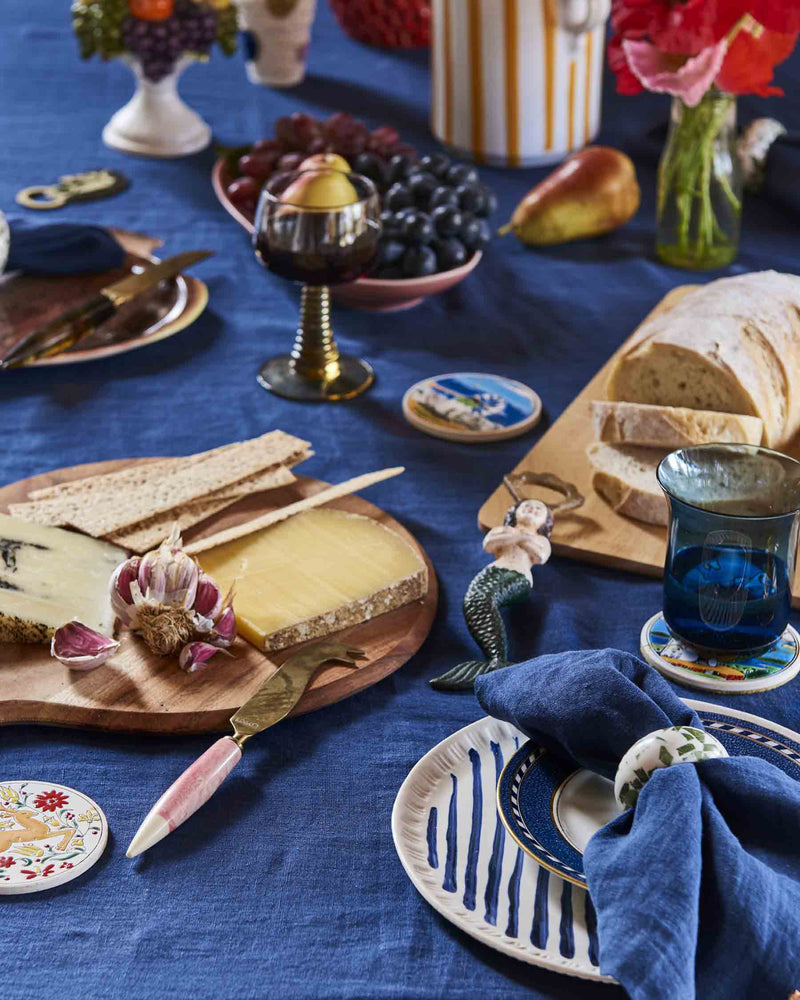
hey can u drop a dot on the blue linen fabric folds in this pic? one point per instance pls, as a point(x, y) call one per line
point(62, 248)
point(697, 889)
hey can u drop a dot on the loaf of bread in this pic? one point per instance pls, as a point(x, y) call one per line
point(625, 476)
point(670, 426)
point(732, 346)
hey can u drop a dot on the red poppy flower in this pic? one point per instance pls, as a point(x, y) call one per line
point(749, 64)
point(50, 801)
point(689, 27)
point(7, 862)
point(782, 16)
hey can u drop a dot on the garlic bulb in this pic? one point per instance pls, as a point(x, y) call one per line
point(171, 603)
point(80, 647)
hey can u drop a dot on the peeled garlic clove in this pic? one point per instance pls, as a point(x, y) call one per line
point(195, 656)
point(225, 627)
point(80, 647)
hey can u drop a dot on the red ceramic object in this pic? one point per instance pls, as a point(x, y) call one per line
point(373, 294)
point(390, 24)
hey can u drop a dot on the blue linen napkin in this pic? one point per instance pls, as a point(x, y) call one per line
point(62, 248)
point(697, 889)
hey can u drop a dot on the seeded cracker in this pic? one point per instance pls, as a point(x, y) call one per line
point(107, 504)
point(151, 532)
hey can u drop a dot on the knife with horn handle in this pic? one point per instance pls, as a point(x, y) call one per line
point(273, 701)
point(73, 325)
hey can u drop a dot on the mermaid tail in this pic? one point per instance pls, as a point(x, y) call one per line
point(492, 589)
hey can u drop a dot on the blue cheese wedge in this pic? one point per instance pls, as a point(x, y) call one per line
point(48, 577)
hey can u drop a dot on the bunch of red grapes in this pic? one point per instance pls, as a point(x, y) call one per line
point(300, 135)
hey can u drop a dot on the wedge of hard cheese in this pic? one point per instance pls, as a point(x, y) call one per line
point(314, 574)
point(48, 577)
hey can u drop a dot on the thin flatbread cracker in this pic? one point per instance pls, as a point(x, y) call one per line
point(148, 534)
point(118, 500)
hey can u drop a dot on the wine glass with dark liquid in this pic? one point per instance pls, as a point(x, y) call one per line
point(318, 228)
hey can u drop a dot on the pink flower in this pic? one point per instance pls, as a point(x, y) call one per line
point(664, 73)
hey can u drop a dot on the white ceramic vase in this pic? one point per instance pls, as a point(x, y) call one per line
point(155, 121)
point(275, 39)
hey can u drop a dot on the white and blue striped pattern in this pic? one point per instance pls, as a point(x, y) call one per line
point(457, 852)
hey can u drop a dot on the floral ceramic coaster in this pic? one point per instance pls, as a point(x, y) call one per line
point(471, 407)
point(731, 674)
point(49, 835)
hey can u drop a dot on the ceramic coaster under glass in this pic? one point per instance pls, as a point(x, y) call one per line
point(49, 835)
point(734, 674)
point(471, 407)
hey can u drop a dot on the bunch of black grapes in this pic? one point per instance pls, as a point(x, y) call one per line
point(435, 214)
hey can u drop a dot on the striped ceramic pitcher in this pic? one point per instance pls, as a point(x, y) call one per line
point(517, 82)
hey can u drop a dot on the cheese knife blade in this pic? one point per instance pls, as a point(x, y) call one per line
point(73, 325)
point(273, 701)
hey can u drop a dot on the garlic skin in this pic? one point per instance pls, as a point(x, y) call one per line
point(81, 648)
point(166, 598)
point(194, 656)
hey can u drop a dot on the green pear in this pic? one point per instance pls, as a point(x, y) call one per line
point(320, 189)
point(326, 161)
point(592, 192)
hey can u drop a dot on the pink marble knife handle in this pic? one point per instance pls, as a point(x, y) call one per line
point(185, 796)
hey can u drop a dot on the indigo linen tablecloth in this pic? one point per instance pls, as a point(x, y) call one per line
point(287, 884)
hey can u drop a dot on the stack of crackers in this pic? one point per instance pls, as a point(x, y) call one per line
point(136, 507)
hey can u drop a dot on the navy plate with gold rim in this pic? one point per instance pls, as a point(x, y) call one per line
point(551, 806)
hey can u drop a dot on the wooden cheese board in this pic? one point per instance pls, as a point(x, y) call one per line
point(141, 692)
point(595, 533)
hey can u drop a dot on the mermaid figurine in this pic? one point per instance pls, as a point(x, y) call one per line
point(522, 542)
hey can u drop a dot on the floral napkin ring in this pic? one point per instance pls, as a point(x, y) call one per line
point(662, 748)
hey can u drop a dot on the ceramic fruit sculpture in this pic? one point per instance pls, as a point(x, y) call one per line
point(158, 39)
point(156, 32)
point(435, 211)
point(592, 192)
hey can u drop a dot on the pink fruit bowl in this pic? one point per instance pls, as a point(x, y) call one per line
point(373, 294)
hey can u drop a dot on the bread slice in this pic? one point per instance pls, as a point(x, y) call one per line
point(625, 476)
point(670, 426)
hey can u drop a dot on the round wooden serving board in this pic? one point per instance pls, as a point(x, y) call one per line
point(138, 691)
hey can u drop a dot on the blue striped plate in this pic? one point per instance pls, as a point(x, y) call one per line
point(551, 807)
point(457, 852)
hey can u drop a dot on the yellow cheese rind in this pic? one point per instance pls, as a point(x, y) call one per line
point(316, 573)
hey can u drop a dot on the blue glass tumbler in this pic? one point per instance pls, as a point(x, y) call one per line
point(732, 545)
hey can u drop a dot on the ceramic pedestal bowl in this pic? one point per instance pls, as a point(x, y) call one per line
point(374, 294)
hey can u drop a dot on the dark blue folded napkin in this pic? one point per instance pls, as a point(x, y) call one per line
point(62, 248)
point(697, 889)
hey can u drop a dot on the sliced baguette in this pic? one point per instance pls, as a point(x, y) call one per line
point(731, 346)
point(625, 476)
point(670, 426)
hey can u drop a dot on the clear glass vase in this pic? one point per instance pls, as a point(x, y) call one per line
point(700, 185)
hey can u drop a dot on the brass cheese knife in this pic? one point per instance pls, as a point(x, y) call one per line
point(73, 325)
point(273, 701)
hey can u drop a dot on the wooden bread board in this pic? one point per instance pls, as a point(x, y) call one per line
point(139, 691)
point(595, 533)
